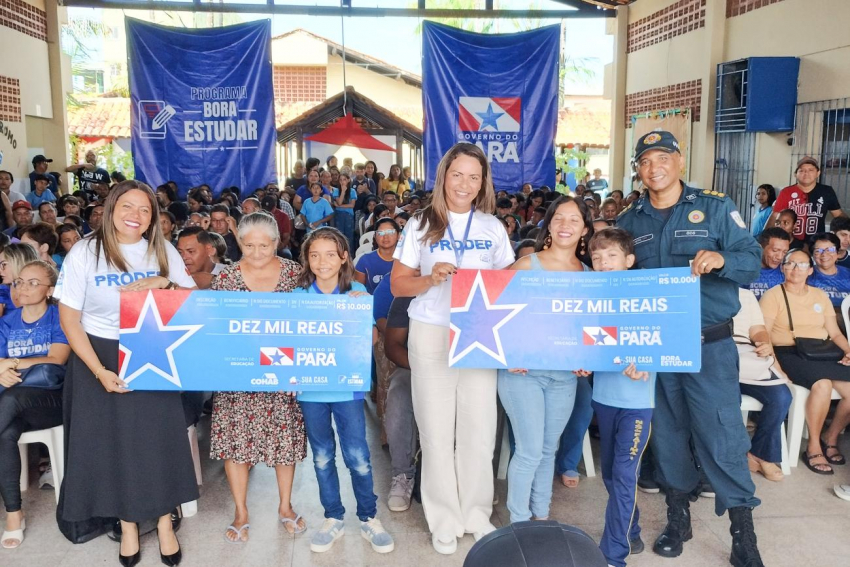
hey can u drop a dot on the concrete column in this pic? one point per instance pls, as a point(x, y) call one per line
point(715, 27)
point(618, 151)
point(55, 130)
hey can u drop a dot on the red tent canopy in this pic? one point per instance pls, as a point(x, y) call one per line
point(347, 132)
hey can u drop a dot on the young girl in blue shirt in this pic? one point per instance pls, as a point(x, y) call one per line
point(327, 269)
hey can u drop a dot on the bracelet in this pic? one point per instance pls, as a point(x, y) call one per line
point(102, 367)
point(171, 285)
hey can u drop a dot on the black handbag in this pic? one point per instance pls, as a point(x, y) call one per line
point(823, 350)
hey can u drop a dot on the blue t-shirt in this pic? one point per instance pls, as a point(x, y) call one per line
point(375, 269)
point(19, 339)
point(36, 200)
point(316, 210)
point(617, 390)
point(383, 299)
point(760, 221)
point(837, 286)
point(305, 193)
point(352, 198)
point(768, 278)
point(325, 396)
point(6, 299)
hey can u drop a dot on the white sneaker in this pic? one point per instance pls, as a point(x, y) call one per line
point(842, 491)
point(489, 529)
point(444, 547)
point(373, 531)
point(331, 530)
point(46, 478)
point(401, 491)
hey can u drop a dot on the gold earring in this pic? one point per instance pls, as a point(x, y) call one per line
point(547, 242)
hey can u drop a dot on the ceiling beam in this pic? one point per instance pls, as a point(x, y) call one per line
point(581, 11)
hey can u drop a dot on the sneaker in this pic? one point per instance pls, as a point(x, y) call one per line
point(46, 478)
point(705, 490)
point(842, 491)
point(488, 529)
point(373, 532)
point(400, 492)
point(636, 546)
point(447, 547)
point(331, 530)
point(648, 485)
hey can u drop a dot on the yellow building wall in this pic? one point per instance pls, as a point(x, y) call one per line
point(386, 91)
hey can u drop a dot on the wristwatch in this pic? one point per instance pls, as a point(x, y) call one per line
point(171, 285)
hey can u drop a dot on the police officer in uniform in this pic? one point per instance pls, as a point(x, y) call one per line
point(675, 225)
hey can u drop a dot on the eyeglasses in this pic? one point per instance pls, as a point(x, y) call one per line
point(819, 251)
point(387, 232)
point(27, 284)
point(797, 265)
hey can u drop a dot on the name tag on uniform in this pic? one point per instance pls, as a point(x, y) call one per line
point(690, 234)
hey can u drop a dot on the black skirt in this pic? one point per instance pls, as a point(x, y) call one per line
point(806, 372)
point(127, 455)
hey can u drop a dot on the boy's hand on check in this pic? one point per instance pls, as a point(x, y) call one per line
point(582, 373)
point(632, 372)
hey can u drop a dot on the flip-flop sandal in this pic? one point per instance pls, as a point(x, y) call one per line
point(295, 528)
point(237, 531)
point(837, 459)
point(14, 535)
point(807, 459)
point(573, 478)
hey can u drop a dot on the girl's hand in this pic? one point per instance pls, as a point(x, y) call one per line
point(111, 382)
point(441, 272)
point(6, 364)
point(582, 373)
point(9, 378)
point(632, 372)
point(153, 282)
point(522, 371)
point(358, 293)
point(846, 360)
point(764, 349)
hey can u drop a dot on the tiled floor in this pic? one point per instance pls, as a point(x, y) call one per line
point(799, 523)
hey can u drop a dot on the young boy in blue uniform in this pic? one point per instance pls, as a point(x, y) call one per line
point(623, 404)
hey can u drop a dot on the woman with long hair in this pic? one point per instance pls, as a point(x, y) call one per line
point(344, 198)
point(455, 408)
point(128, 454)
point(765, 197)
point(395, 181)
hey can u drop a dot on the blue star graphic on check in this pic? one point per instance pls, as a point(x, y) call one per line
point(276, 358)
point(477, 323)
point(600, 338)
point(489, 118)
point(150, 345)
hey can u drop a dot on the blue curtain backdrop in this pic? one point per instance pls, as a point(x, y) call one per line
point(497, 91)
point(202, 105)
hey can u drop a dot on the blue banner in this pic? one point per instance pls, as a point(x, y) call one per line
point(497, 91)
point(576, 320)
point(202, 105)
point(237, 341)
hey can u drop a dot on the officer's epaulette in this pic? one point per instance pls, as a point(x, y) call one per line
point(712, 193)
point(627, 209)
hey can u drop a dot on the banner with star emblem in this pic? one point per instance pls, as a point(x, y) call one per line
point(497, 91)
point(576, 320)
point(253, 342)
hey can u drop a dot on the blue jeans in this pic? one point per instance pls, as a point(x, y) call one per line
point(351, 429)
point(767, 440)
point(538, 405)
point(569, 453)
point(345, 224)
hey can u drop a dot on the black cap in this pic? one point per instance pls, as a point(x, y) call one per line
point(40, 158)
point(661, 140)
point(41, 177)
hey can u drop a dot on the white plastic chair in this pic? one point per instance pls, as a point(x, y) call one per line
point(749, 404)
point(797, 428)
point(845, 307)
point(191, 508)
point(54, 439)
point(505, 456)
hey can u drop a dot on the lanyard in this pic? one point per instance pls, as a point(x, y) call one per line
point(317, 290)
point(459, 253)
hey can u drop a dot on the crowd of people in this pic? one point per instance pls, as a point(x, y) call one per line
point(347, 228)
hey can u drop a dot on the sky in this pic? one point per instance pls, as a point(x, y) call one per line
point(396, 41)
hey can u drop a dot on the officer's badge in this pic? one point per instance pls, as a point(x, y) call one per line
point(653, 138)
point(736, 216)
point(696, 217)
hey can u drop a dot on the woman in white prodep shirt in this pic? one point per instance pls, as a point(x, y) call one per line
point(455, 408)
point(128, 455)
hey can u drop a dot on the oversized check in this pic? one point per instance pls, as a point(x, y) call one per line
point(571, 320)
point(239, 341)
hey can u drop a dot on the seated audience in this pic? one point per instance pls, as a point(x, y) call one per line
point(811, 317)
point(197, 250)
point(831, 278)
point(761, 378)
point(775, 243)
point(43, 238)
point(840, 227)
point(787, 220)
point(372, 267)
